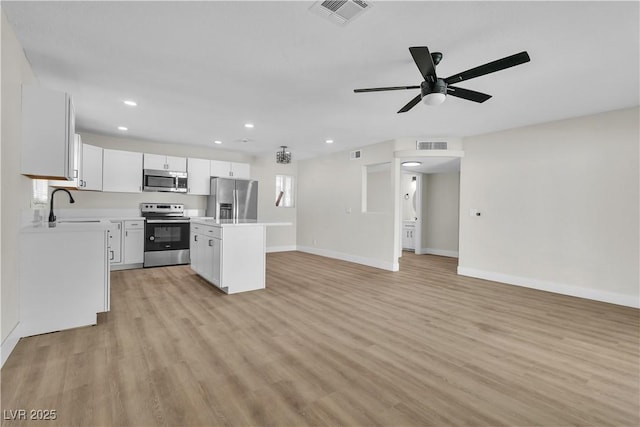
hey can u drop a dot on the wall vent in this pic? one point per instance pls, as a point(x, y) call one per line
point(354, 155)
point(430, 145)
point(340, 11)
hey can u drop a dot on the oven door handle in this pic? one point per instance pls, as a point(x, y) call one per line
point(169, 221)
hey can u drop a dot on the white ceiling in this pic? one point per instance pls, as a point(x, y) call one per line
point(432, 164)
point(200, 70)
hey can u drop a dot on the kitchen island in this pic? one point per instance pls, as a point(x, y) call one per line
point(230, 254)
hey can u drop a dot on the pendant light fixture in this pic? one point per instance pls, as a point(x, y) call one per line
point(282, 156)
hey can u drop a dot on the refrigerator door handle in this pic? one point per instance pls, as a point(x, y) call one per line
point(235, 204)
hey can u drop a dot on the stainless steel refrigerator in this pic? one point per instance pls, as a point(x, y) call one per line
point(233, 199)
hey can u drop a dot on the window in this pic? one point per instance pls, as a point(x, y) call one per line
point(40, 194)
point(284, 191)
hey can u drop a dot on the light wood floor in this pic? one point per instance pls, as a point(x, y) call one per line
point(333, 343)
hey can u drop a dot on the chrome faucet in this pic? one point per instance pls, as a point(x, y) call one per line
point(52, 217)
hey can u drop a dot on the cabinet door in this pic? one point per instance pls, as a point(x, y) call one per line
point(241, 170)
point(73, 143)
point(115, 243)
point(199, 176)
point(91, 168)
point(220, 168)
point(48, 129)
point(207, 262)
point(77, 166)
point(177, 164)
point(194, 249)
point(122, 171)
point(216, 262)
point(134, 242)
point(155, 161)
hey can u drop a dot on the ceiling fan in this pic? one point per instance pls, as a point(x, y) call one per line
point(433, 90)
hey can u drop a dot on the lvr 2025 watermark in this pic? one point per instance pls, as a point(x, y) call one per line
point(30, 414)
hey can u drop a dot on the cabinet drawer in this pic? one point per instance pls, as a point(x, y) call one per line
point(214, 232)
point(128, 225)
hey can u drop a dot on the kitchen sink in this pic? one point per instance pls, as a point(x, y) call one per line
point(62, 221)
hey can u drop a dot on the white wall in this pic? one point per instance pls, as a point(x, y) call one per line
point(440, 213)
point(378, 183)
point(559, 206)
point(264, 169)
point(330, 218)
point(16, 189)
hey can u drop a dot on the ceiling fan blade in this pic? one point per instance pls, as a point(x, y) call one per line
point(424, 61)
point(411, 104)
point(379, 89)
point(491, 67)
point(467, 94)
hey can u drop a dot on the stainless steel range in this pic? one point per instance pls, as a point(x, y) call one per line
point(166, 234)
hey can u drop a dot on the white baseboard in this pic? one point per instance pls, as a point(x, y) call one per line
point(351, 258)
point(9, 343)
point(441, 252)
point(558, 288)
point(281, 248)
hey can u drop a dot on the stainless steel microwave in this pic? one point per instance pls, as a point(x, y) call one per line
point(161, 180)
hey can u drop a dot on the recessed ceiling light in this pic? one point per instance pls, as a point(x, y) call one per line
point(122, 128)
point(130, 103)
point(248, 125)
point(410, 164)
point(217, 142)
point(329, 141)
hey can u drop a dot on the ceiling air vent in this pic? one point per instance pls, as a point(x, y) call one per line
point(340, 11)
point(354, 155)
point(429, 145)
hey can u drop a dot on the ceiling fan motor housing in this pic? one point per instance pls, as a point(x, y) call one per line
point(438, 87)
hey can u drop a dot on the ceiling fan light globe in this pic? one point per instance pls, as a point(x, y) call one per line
point(434, 98)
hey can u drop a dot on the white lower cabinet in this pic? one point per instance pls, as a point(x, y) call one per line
point(230, 257)
point(64, 278)
point(134, 242)
point(205, 251)
point(408, 238)
point(195, 252)
point(127, 244)
point(115, 243)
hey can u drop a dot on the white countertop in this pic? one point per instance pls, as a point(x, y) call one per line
point(234, 222)
point(69, 225)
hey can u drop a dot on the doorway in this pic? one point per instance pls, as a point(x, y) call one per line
point(411, 211)
point(428, 198)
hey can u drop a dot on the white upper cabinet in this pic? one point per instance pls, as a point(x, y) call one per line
point(122, 171)
point(199, 176)
point(91, 168)
point(48, 129)
point(241, 170)
point(162, 162)
point(230, 169)
point(77, 167)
